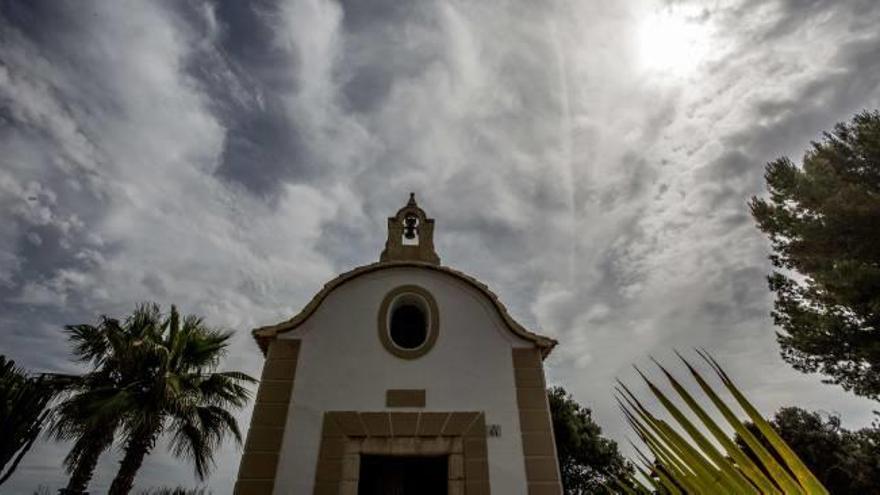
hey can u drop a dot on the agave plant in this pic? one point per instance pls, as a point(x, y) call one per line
point(713, 463)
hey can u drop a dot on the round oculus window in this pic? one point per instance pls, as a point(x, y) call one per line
point(408, 321)
point(408, 325)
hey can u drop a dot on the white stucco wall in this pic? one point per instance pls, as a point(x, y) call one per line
point(344, 367)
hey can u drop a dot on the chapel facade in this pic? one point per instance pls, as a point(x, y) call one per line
point(401, 377)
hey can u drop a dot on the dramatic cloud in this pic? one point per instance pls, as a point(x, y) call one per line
point(590, 161)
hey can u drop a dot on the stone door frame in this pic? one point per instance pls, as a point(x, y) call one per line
point(346, 435)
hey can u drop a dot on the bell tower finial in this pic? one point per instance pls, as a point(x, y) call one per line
point(410, 235)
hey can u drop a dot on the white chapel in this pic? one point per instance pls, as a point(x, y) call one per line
point(401, 377)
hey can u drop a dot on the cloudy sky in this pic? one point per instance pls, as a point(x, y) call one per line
point(590, 160)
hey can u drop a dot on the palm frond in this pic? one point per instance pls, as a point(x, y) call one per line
point(24, 411)
point(695, 464)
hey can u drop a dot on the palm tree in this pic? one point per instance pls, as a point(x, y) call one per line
point(114, 351)
point(24, 402)
point(177, 392)
point(150, 376)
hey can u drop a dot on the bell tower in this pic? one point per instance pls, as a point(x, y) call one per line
point(410, 235)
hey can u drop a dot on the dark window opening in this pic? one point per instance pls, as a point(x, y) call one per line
point(409, 328)
point(399, 475)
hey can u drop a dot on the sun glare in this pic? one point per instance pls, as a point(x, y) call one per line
point(673, 41)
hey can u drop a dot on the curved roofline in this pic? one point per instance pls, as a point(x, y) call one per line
point(264, 335)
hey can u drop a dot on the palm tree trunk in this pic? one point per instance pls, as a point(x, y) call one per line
point(85, 464)
point(138, 447)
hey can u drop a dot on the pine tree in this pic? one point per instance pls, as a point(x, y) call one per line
point(823, 221)
point(588, 462)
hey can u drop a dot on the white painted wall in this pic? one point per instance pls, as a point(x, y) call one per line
point(344, 367)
